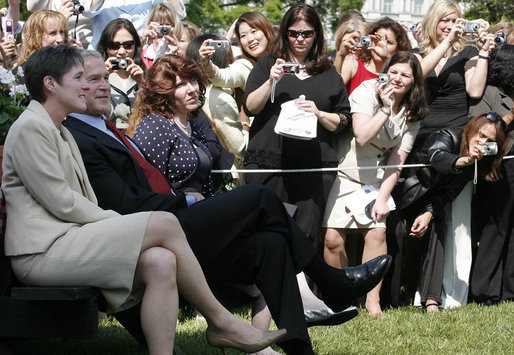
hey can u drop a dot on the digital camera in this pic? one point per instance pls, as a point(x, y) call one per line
point(471, 27)
point(411, 26)
point(364, 41)
point(8, 29)
point(291, 68)
point(489, 148)
point(163, 30)
point(500, 39)
point(119, 64)
point(219, 45)
point(383, 79)
point(77, 7)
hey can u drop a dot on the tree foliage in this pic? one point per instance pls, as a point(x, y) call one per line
point(211, 15)
point(492, 11)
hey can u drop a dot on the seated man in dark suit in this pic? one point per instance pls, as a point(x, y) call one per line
point(243, 236)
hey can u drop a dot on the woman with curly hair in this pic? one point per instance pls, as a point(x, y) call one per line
point(163, 127)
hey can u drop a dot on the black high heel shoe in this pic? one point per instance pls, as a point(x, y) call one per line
point(220, 341)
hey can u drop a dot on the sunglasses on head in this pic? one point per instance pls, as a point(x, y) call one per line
point(117, 45)
point(494, 117)
point(304, 34)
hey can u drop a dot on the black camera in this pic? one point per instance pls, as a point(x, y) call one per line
point(163, 30)
point(500, 39)
point(77, 7)
point(364, 41)
point(119, 64)
point(471, 27)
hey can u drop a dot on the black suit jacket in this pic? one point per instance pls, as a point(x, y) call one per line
point(118, 180)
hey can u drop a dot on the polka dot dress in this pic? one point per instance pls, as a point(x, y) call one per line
point(171, 151)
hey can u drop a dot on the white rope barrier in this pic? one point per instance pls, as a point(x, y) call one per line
point(324, 170)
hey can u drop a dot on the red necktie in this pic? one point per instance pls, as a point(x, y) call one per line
point(157, 181)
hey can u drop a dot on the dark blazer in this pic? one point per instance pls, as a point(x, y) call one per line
point(118, 181)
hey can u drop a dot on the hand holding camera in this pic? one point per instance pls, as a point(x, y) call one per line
point(126, 65)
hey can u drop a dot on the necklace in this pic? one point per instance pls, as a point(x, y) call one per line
point(185, 127)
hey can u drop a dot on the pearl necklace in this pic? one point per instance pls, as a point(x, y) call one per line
point(186, 128)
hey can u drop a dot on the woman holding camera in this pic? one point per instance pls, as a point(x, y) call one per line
point(300, 41)
point(456, 157)
point(456, 71)
point(385, 120)
point(162, 33)
point(385, 37)
point(121, 48)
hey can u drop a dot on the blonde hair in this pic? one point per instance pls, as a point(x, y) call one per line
point(352, 25)
point(507, 28)
point(438, 10)
point(165, 12)
point(32, 33)
point(191, 29)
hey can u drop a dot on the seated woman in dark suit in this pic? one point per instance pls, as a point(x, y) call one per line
point(57, 235)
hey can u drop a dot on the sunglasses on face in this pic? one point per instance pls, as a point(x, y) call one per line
point(117, 45)
point(304, 34)
point(494, 117)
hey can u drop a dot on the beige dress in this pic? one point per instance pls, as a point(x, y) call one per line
point(56, 234)
point(396, 132)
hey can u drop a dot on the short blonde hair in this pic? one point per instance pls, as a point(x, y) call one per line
point(438, 10)
point(32, 33)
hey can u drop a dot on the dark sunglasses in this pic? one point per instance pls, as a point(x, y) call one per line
point(494, 117)
point(304, 34)
point(117, 45)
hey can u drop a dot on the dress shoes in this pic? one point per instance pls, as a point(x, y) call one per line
point(328, 317)
point(360, 280)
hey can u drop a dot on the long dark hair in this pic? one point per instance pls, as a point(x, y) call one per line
point(161, 79)
point(258, 21)
point(415, 101)
point(317, 58)
point(110, 31)
point(501, 69)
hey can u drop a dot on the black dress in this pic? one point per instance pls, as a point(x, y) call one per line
point(268, 150)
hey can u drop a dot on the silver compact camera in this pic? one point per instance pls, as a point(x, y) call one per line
point(291, 68)
point(77, 7)
point(163, 30)
point(119, 64)
point(411, 26)
point(364, 41)
point(489, 148)
point(471, 27)
point(383, 79)
point(500, 39)
point(219, 45)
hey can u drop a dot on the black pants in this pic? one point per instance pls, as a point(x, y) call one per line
point(245, 236)
point(492, 275)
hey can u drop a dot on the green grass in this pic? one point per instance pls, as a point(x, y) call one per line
point(472, 329)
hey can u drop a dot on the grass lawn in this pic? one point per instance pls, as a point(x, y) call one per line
point(467, 330)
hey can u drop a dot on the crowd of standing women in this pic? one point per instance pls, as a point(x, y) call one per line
point(437, 94)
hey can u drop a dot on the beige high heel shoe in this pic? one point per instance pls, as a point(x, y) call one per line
point(221, 341)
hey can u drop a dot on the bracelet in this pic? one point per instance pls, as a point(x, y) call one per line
point(486, 57)
point(384, 111)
